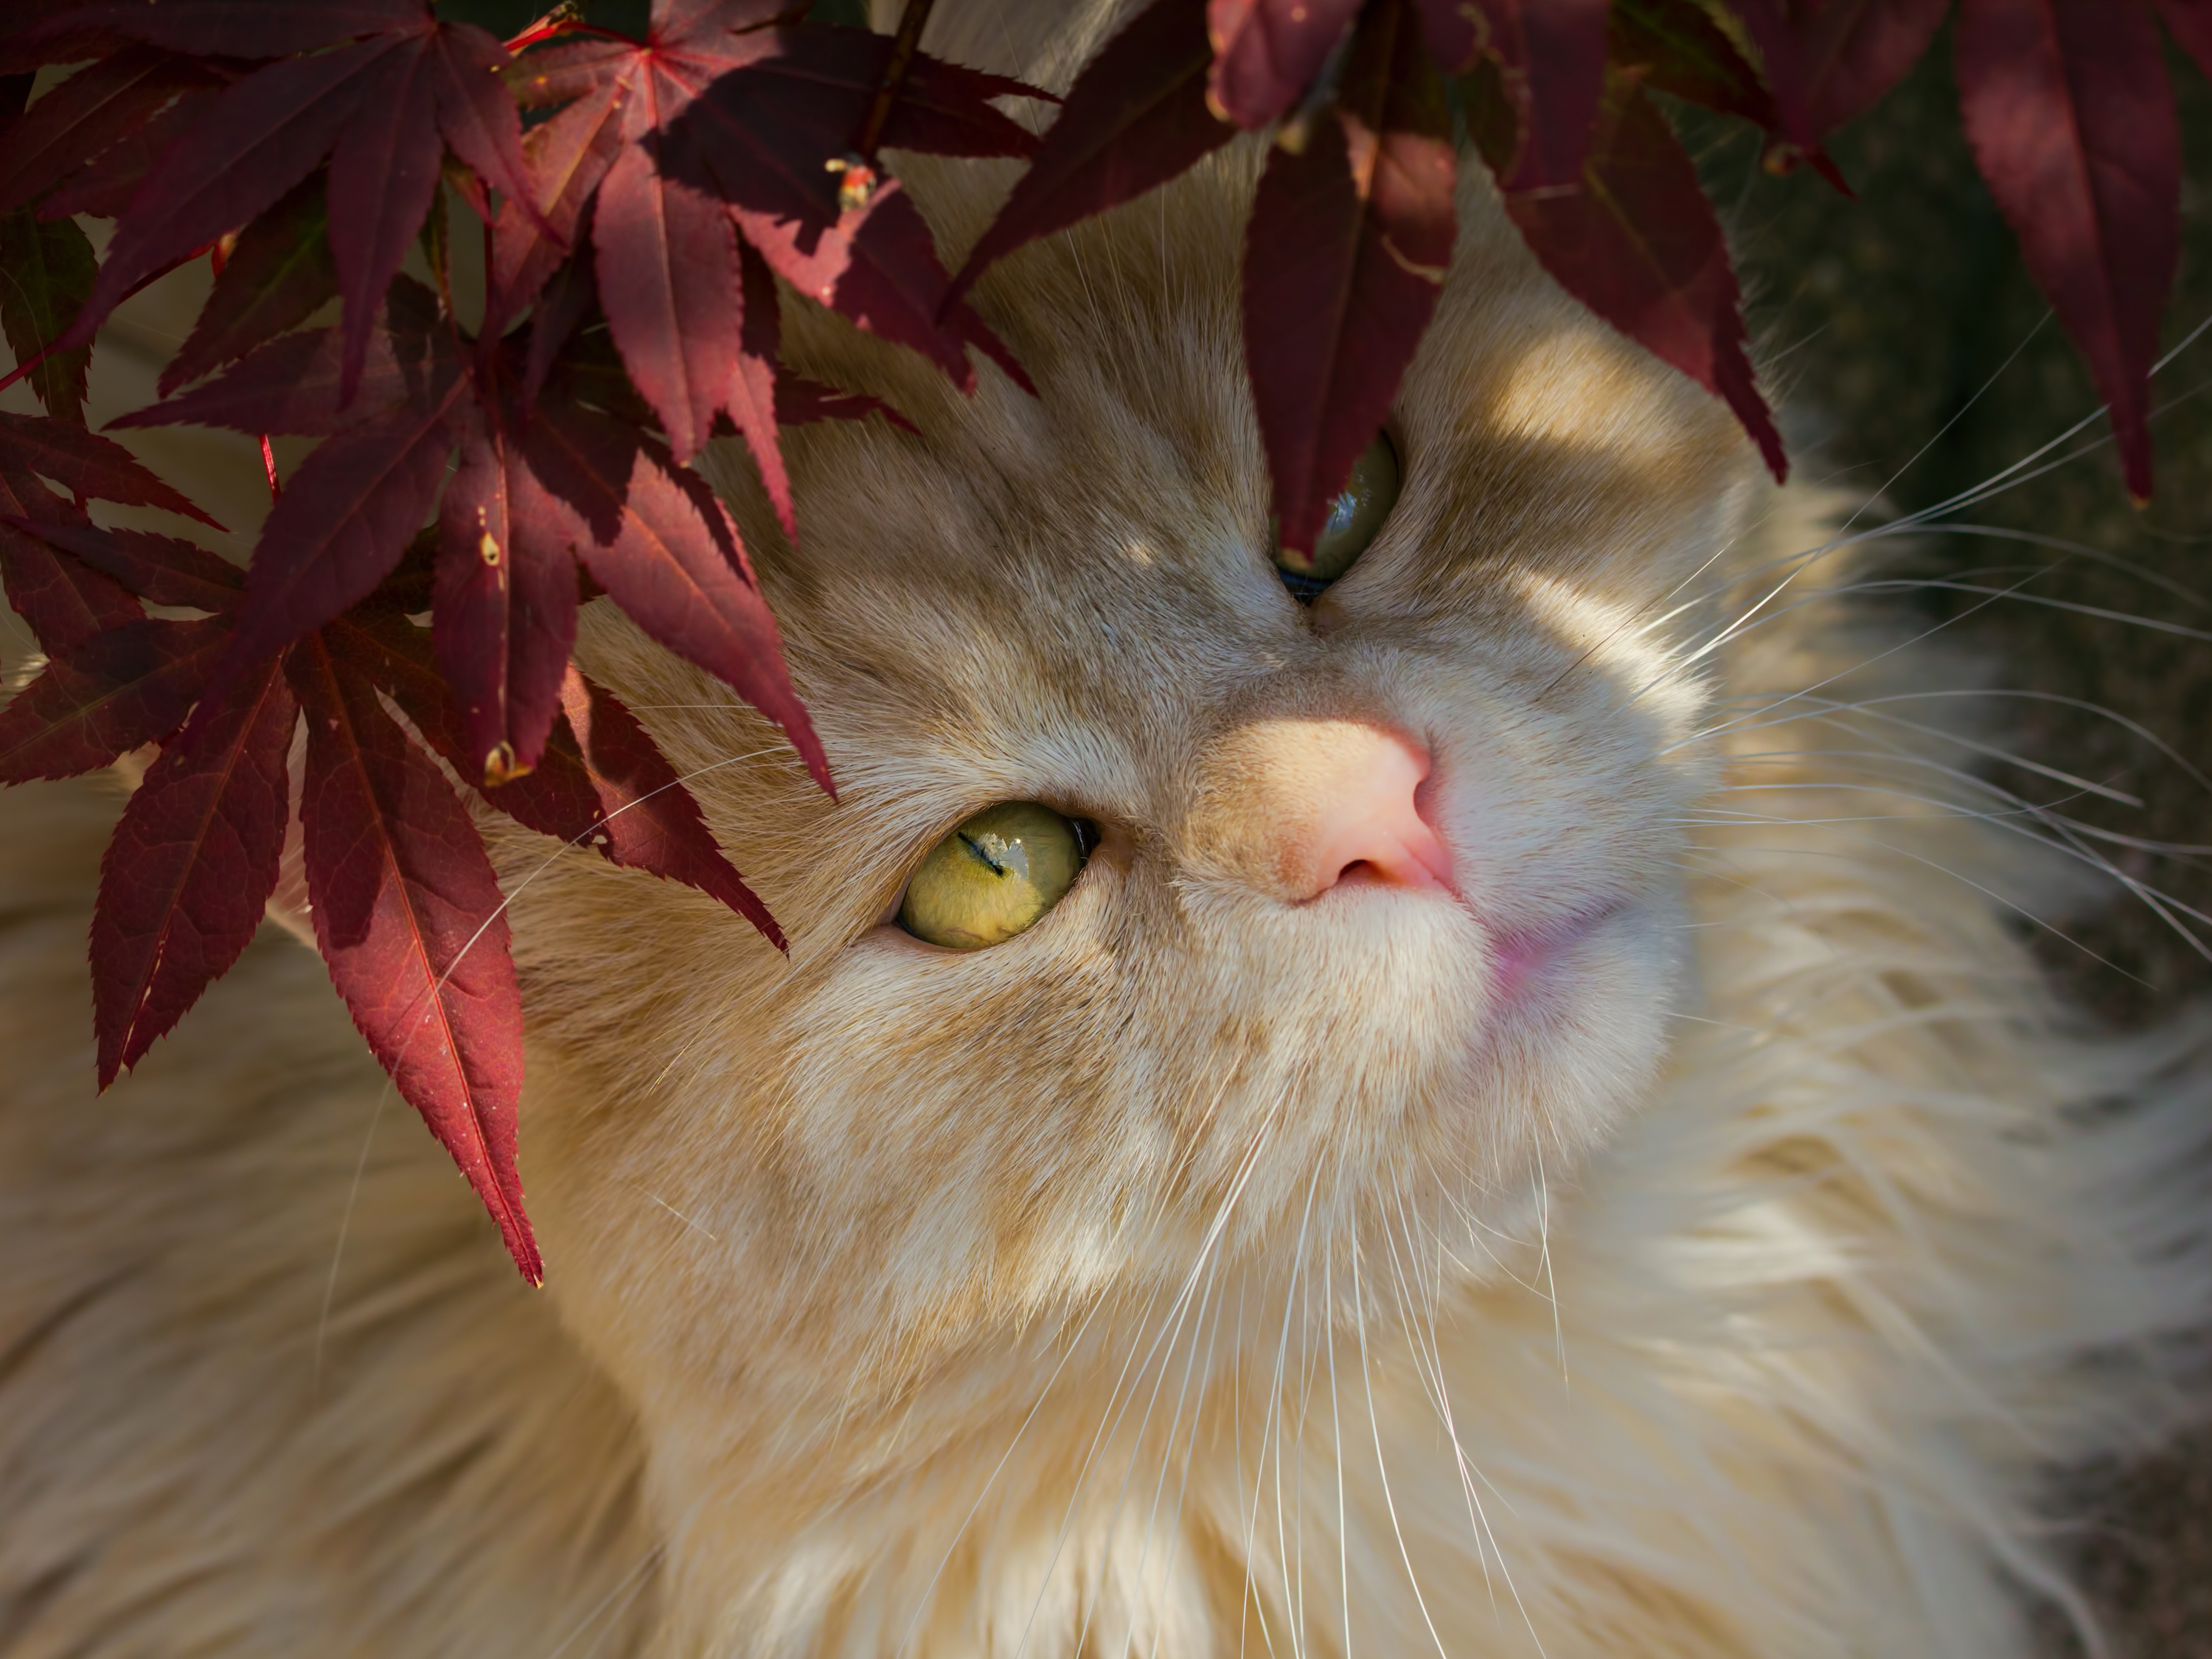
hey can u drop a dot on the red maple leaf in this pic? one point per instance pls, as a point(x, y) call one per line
point(1638, 243)
point(185, 878)
point(1344, 262)
point(1137, 117)
point(408, 916)
point(2067, 106)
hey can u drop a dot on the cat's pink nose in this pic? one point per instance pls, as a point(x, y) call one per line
point(1366, 822)
point(1297, 807)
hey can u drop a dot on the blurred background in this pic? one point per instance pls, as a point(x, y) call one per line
point(1915, 362)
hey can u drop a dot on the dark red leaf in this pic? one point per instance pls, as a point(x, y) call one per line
point(578, 67)
point(1852, 51)
point(1344, 261)
point(752, 400)
point(49, 268)
point(1552, 52)
point(1455, 32)
point(102, 102)
point(1638, 244)
point(153, 567)
point(662, 545)
point(342, 523)
point(477, 113)
point(260, 138)
point(61, 599)
point(410, 921)
point(2067, 106)
point(28, 42)
point(798, 400)
point(651, 820)
point(1782, 56)
point(386, 169)
point(876, 266)
point(1267, 52)
point(1675, 46)
point(625, 798)
point(291, 384)
point(189, 870)
point(103, 187)
point(96, 468)
point(1135, 118)
point(2190, 20)
point(504, 612)
point(668, 280)
point(105, 695)
point(562, 304)
point(556, 799)
point(568, 156)
point(758, 136)
point(279, 276)
point(238, 28)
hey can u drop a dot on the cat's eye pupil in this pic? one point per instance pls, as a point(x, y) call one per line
point(1355, 516)
point(995, 876)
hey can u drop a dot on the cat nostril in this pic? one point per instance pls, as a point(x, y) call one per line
point(1366, 817)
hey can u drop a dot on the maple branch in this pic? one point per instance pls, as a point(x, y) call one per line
point(911, 22)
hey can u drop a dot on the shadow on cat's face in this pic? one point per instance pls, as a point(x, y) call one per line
point(882, 1152)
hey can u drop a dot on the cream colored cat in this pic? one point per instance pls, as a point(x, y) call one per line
point(1534, 1131)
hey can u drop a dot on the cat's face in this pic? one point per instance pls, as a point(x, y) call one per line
point(753, 1173)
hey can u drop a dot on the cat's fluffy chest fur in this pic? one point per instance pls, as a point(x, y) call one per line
point(1198, 1273)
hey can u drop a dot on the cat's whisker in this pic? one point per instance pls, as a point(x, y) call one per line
point(1381, 1469)
point(612, 1605)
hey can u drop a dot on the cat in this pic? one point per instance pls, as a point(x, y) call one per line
point(1533, 1128)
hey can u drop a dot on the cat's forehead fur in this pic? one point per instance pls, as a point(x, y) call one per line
point(1069, 598)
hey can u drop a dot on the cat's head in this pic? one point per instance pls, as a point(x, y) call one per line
point(1380, 906)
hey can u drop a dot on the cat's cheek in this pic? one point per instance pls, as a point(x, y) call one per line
point(1578, 1031)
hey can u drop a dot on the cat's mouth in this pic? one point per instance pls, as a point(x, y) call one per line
point(1522, 960)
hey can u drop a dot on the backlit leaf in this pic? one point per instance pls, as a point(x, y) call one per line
point(2067, 106)
point(1553, 53)
point(185, 879)
point(77, 119)
point(1675, 46)
point(568, 156)
point(1135, 118)
point(102, 695)
point(385, 169)
point(662, 545)
point(63, 601)
point(650, 820)
point(342, 523)
point(241, 28)
point(258, 139)
point(278, 275)
point(1638, 244)
point(1344, 262)
point(159, 568)
point(505, 612)
point(410, 919)
point(668, 280)
point(103, 187)
point(49, 268)
point(96, 468)
point(1852, 51)
point(1267, 53)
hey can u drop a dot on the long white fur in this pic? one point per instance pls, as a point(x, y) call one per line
point(1190, 1277)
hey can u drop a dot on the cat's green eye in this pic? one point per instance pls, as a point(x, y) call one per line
point(1354, 516)
point(995, 877)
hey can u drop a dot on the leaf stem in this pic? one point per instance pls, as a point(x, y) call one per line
point(894, 69)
